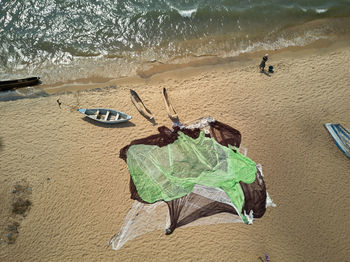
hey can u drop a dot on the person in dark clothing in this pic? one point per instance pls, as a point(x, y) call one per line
point(262, 64)
point(59, 102)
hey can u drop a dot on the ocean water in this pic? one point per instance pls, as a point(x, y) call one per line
point(63, 40)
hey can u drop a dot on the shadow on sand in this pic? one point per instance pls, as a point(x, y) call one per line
point(121, 125)
point(152, 121)
point(147, 117)
point(266, 73)
point(175, 120)
point(1, 144)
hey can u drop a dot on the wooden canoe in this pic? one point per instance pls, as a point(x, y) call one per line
point(103, 115)
point(169, 106)
point(11, 84)
point(140, 105)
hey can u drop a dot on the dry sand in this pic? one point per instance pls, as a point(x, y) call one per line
point(80, 185)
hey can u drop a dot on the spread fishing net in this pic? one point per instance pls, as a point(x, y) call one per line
point(195, 175)
point(170, 172)
point(186, 211)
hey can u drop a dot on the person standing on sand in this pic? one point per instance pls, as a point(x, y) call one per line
point(262, 64)
point(59, 102)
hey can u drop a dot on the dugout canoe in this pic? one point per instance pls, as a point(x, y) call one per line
point(17, 83)
point(140, 106)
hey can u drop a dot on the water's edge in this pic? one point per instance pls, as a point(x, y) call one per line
point(156, 71)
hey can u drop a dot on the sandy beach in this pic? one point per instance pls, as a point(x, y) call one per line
point(79, 187)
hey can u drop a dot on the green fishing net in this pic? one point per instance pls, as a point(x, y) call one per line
point(170, 172)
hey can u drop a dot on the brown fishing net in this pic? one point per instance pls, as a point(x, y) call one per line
point(205, 201)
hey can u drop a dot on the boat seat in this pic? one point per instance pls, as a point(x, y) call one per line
point(96, 114)
point(107, 114)
point(117, 116)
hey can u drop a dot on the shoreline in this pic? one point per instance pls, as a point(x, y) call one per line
point(95, 71)
point(156, 70)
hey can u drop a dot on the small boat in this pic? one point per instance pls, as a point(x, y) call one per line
point(11, 84)
point(103, 115)
point(169, 106)
point(341, 137)
point(140, 105)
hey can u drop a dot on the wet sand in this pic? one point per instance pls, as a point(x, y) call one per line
point(79, 185)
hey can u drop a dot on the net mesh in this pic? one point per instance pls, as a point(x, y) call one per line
point(141, 219)
point(195, 209)
point(170, 172)
point(204, 205)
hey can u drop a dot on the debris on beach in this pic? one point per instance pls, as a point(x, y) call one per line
point(20, 206)
point(13, 232)
point(19, 201)
point(267, 258)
